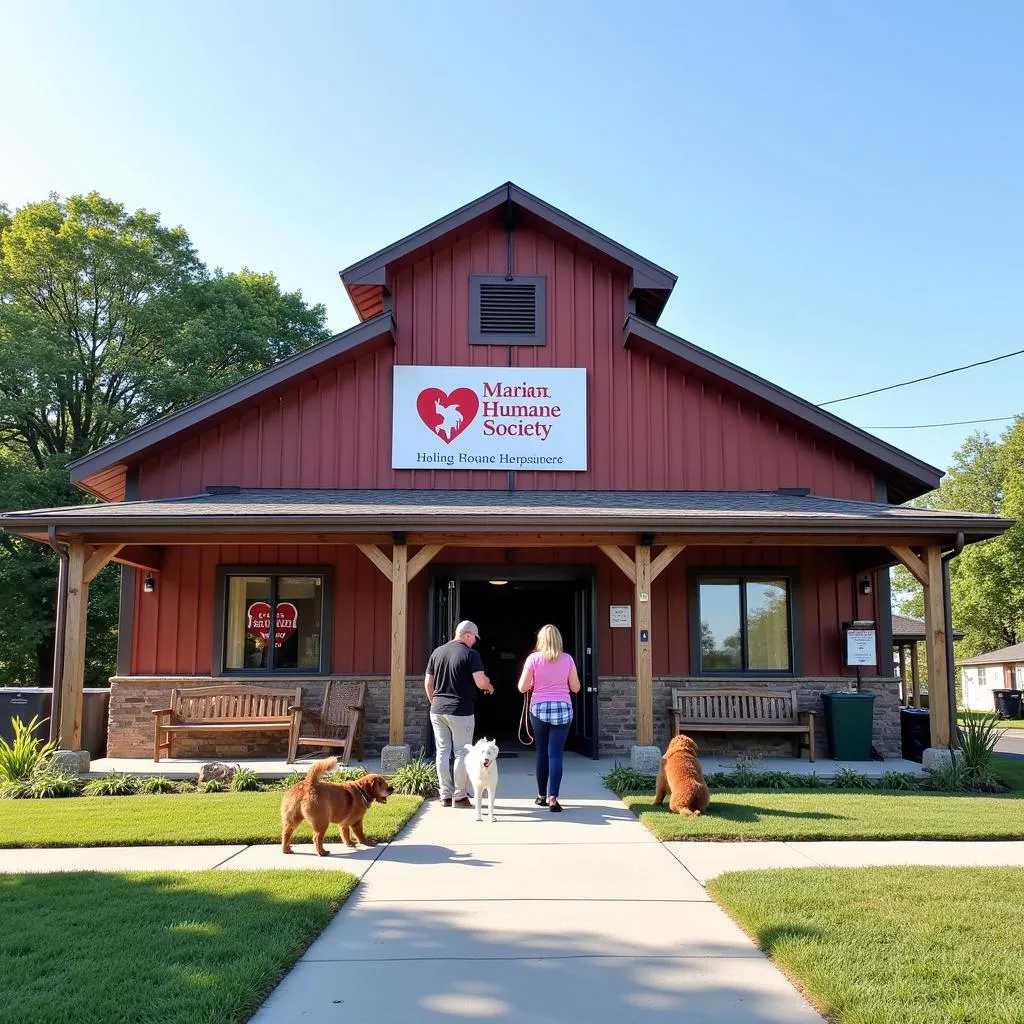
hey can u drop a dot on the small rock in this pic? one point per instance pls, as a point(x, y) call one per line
point(215, 770)
point(74, 762)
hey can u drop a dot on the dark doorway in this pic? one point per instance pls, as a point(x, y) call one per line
point(508, 615)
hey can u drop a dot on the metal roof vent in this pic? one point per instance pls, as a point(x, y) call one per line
point(506, 310)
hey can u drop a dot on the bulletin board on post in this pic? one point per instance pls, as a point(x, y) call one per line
point(860, 645)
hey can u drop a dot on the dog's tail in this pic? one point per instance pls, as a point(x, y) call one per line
point(314, 773)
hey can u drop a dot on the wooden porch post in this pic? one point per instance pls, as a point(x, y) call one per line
point(73, 677)
point(904, 689)
point(399, 596)
point(644, 667)
point(935, 648)
point(915, 672)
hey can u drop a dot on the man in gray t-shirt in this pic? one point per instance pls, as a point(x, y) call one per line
point(454, 674)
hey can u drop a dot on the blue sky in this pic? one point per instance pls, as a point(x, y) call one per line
point(837, 186)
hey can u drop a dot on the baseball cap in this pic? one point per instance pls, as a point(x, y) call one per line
point(465, 626)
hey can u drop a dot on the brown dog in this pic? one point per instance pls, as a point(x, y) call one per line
point(323, 803)
point(681, 775)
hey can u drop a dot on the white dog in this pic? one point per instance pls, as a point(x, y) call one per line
point(482, 766)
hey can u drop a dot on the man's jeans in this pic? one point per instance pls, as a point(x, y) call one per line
point(452, 731)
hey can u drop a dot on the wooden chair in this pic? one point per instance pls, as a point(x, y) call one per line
point(339, 726)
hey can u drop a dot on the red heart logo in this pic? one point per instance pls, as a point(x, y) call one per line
point(259, 621)
point(447, 416)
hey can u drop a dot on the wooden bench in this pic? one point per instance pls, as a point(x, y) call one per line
point(733, 710)
point(215, 709)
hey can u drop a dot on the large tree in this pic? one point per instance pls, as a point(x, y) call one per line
point(986, 579)
point(108, 319)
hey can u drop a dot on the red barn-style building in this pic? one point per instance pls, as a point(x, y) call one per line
point(507, 435)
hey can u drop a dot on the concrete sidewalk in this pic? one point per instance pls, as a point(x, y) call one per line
point(538, 917)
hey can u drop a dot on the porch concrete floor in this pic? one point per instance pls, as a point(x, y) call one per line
point(277, 768)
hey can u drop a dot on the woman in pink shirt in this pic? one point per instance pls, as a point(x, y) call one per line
point(551, 675)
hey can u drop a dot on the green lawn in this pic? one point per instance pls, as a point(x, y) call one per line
point(902, 945)
point(1004, 723)
point(192, 819)
point(1009, 771)
point(830, 814)
point(179, 948)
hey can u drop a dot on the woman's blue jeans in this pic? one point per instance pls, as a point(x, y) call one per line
point(550, 743)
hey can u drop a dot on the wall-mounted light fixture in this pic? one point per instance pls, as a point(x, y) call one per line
point(865, 586)
point(149, 583)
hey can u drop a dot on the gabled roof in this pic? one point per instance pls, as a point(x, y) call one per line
point(1004, 656)
point(912, 476)
point(909, 630)
point(363, 337)
point(366, 281)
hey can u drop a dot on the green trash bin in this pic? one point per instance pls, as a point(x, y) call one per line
point(848, 719)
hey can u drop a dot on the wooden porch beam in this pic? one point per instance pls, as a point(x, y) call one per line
point(140, 557)
point(916, 566)
point(399, 594)
point(644, 664)
point(622, 560)
point(423, 557)
point(935, 649)
point(73, 676)
point(665, 559)
point(379, 559)
point(99, 559)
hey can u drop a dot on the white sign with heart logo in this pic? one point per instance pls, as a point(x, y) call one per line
point(475, 417)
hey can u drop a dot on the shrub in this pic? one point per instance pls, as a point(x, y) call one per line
point(898, 781)
point(184, 786)
point(245, 781)
point(716, 780)
point(112, 785)
point(812, 780)
point(157, 784)
point(850, 778)
point(951, 777)
point(212, 786)
point(978, 736)
point(346, 774)
point(622, 779)
point(20, 759)
point(290, 780)
point(776, 780)
point(744, 773)
point(417, 778)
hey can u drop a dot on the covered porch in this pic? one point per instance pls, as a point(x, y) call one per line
point(646, 549)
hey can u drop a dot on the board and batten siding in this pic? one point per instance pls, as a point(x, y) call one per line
point(652, 425)
point(173, 627)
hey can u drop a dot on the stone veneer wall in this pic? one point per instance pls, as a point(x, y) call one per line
point(617, 714)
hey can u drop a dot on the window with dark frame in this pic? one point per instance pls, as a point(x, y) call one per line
point(273, 622)
point(745, 624)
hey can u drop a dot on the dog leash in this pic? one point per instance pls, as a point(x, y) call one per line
point(524, 721)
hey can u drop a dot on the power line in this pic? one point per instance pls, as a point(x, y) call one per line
point(918, 380)
point(951, 423)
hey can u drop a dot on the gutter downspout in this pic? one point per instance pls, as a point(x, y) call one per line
point(947, 556)
point(58, 640)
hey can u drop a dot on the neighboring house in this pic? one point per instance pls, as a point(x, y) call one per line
point(997, 670)
point(507, 435)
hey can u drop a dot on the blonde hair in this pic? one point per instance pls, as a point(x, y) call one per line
point(549, 642)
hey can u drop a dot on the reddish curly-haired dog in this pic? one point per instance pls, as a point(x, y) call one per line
point(681, 775)
point(322, 803)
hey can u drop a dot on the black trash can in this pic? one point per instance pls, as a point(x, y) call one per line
point(1007, 702)
point(915, 733)
point(25, 703)
point(95, 707)
point(848, 721)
